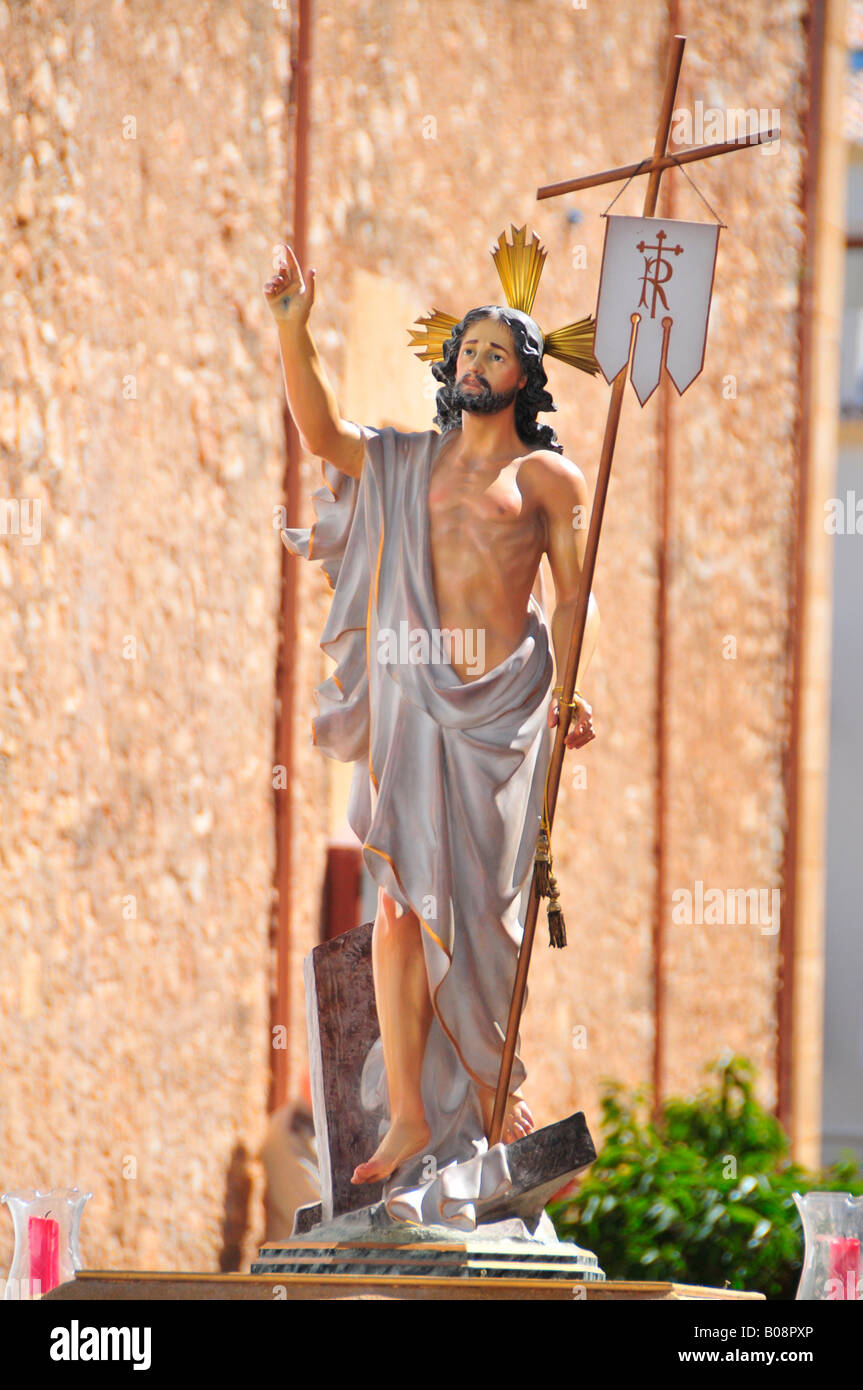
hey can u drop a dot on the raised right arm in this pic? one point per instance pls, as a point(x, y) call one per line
point(311, 399)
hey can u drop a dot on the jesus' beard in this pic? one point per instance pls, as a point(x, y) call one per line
point(483, 402)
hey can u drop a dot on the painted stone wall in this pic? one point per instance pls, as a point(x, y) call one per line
point(140, 417)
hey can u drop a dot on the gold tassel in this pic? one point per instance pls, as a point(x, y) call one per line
point(546, 883)
point(556, 924)
point(543, 860)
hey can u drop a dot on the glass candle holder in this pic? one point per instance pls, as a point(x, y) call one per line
point(46, 1226)
point(833, 1234)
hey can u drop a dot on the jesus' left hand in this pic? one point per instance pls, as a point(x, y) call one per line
point(581, 729)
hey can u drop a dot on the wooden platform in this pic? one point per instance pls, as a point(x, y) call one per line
point(105, 1285)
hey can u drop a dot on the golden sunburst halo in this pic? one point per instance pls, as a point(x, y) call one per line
point(519, 265)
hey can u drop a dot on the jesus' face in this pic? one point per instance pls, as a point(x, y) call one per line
point(488, 373)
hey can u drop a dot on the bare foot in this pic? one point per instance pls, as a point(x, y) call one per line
point(402, 1139)
point(517, 1119)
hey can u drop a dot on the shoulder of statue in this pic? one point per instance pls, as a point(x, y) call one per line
point(554, 474)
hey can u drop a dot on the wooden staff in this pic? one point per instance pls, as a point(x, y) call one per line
point(565, 712)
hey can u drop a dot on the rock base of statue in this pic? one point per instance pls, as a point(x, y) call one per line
point(350, 1231)
point(370, 1243)
point(342, 1023)
point(539, 1165)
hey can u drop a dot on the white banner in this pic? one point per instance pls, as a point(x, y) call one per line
point(661, 271)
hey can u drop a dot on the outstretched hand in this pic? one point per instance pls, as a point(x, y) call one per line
point(581, 729)
point(289, 296)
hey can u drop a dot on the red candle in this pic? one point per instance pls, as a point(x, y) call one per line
point(44, 1237)
point(844, 1266)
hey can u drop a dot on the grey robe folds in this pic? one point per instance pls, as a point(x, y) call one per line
point(446, 797)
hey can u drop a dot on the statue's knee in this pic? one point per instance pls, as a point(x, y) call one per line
point(389, 905)
point(386, 916)
point(392, 917)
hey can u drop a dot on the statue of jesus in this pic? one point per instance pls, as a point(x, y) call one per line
point(478, 505)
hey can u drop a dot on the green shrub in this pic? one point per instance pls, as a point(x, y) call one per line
point(702, 1196)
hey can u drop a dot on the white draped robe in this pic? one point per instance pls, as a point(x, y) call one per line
point(446, 798)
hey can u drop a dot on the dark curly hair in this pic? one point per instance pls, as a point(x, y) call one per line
point(532, 397)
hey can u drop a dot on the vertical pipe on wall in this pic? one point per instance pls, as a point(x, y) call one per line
point(281, 913)
point(797, 1086)
point(785, 965)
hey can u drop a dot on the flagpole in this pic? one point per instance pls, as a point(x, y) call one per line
point(564, 711)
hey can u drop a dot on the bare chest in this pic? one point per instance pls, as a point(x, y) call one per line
point(468, 506)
